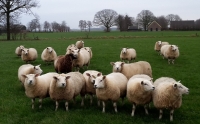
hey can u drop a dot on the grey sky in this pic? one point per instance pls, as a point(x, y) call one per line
point(72, 11)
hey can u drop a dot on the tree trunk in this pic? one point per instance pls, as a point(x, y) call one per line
point(8, 25)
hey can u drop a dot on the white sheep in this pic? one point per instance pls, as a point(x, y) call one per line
point(82, 58)
point(90, 76)
point(168, 95)
point(130, 69)
point(139, 91)
point(110, 87)
point(70, 48)
point(48, 54)
point(67, 87)
point(29, 54)
point(159, 44)
point(79, 44)
point(28, 69)
point(38, 86)
point(18, 50)
point(128, 54)
point(170, 52)
point(89, 49)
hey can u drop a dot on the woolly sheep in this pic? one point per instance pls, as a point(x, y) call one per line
point(64, 63)
point(110, 87)
point(70, 47)
point(159, 44)
point(168, 95)
point(140, 67)
point(80, 44)
point(18, 50)
point(128, 54)
point(38, 86)
point(90, 76)
point(67, 87)
point(139, 92)
point(28, 69)
point(170, 52)
point(29, 54)
point(89, 49)
point(48, 54)
point(82, 58)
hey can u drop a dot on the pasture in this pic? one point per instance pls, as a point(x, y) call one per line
point(15, 107)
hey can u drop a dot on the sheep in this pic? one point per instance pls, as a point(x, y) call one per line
point(48, 54)
point(110, 87)
point(128, 54)
point(70, 47)
point(170, 52)
point(67, 87)
point(159, 44)
point(90, 76)
point(80, 44)
point(18, 50)
point(28, 69)
point(29, 54)
point(140, 67)
point(64, 63)
point(168, 95)
point(82, 58)
point(89, 49)
point(38, 86)
point(139, 91)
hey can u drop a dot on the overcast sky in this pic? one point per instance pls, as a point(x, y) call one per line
point(72, 11)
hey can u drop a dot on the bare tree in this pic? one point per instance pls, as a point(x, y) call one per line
point(144, 18)
point(106, 18)
point(34, 25)
point(172, 17)
point(8, 7)
point(89, 25)
point(63, 26)
point(81, 25)
point(46, 26)
point(162, 21)
point(123, 22)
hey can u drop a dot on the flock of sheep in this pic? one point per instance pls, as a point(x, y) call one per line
point(133, 81)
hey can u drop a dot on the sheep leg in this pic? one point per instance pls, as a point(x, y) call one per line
point(115, 106)
point(57, 104)
point(146, 109)
point(98, 102)
point(90, 99)
point(161, 113)
point(66, 105)
point(40, 101)
point(104, 105)
point(33, 100)
point(172, 61)
point(171, 114)
point(133, 109)
point(168, 61)
point(82, 101)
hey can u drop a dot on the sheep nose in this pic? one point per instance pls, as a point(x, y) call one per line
point(153, 88)
point(95, 86)
point(30, 81)
point(63, 84)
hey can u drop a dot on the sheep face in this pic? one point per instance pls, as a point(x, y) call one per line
point(21, 47)
point(30, 79)
point(99, 82)
point(37, 69)
point(25, 51)
point(159, 43)
point(92, 77)
point(75, 52)
point(174, 47)
point(61, 80)
point(181, 89)
point(147, 85)
point(124, 50)
point(49, 49)
point(117, 66)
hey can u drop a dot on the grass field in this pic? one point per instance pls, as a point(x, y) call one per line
point(15, 107)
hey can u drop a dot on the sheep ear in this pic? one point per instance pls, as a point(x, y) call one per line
point(67, 77)
point(54, 77)
point(179, 81)
point(47, 48)
point(104, 77)
point(88, 74)
point(24, 76)
point(36, 75)
point(39, 65)
point(142, 82)
point(112, 63)
point(175, 85)
point(151, 79)
point(122, 63)
point(99, 74)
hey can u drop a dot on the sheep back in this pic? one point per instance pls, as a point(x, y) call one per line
point(48, 54)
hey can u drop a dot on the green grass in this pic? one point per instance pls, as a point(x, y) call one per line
point(15, 107)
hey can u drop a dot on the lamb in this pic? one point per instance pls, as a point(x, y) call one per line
point(80, 44)
point(82, 58)
point(140, 67)
point(38, 86)
point(90, 76)
point(159, 44)
point(128, 54)
point(67, 87)
point(110, 87)
point(48, 54)
point(168, 95)
point(28, 69)
point(18, 50)
point(64, 63)
point(29, 54)
point(139, 91)
point(170, 52)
